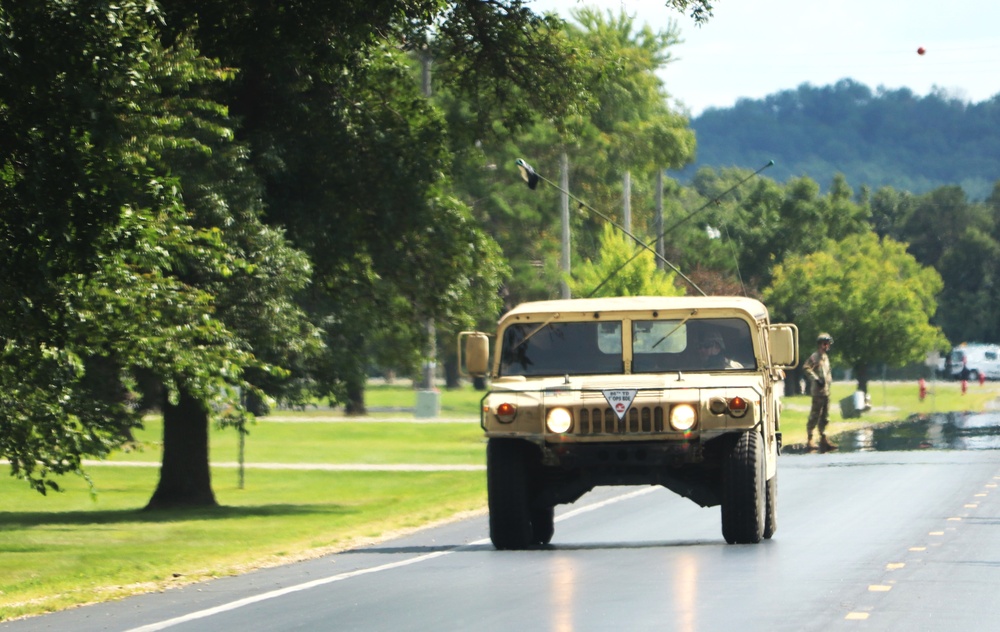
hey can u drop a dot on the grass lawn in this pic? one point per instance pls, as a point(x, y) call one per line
point(70, 548)
point(67, 549)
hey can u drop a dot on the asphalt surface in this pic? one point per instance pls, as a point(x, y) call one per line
point(905, 540)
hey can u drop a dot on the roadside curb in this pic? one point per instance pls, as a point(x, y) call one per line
point(329, 467)
point(334, 419)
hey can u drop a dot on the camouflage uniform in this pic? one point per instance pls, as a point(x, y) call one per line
point(817, 368)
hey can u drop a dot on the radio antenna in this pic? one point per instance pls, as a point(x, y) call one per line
point(531, 177)
point(714, 200)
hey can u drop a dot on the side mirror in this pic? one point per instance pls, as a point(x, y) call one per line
point(476, 353)
point(784, 345)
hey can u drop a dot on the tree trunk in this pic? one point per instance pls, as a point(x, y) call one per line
point(452, 378)
point(185, 477)
point(862, 373)
point(355, 398)
point(793, 382)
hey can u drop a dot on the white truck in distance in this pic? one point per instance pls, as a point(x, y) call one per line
point(973, 360)
point(627, 391)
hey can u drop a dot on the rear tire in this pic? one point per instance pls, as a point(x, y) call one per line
point(508, 497)
point(771, 515)
point(744, 491)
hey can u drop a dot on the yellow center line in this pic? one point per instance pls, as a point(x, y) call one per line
point(879, 588)
point(918, 548)
point(856, 616)
point(892, 566)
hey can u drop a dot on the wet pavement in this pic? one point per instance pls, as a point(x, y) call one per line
point(939, 431)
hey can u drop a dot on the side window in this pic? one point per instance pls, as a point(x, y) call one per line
point(991, 355)
point(609, 337)
point(564, 348)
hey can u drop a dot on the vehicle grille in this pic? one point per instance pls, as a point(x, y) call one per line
point(603, 420)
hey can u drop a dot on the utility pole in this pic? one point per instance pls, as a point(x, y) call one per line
point(627, 201)
point(658, 220)
point(564, 207)
point(428, 399)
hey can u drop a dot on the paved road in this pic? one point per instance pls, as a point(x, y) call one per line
point(866, 541)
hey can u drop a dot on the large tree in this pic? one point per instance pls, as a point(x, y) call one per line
point(136, 264)
point(619, 271)
point(769, 222)
point(354, 156)
point(869, 293)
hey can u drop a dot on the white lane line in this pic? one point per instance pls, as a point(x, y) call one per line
point(604, 503)
point(233, 605)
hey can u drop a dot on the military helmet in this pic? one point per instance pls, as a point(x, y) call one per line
point(824, 337)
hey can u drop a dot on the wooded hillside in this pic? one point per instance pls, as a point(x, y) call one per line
point(874, 137)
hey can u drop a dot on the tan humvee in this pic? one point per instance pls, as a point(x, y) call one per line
point(627, 391)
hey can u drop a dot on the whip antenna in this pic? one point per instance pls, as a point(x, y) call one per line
point(532, 178)
point(714, 200)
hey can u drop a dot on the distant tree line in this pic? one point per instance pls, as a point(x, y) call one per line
point(874, 138)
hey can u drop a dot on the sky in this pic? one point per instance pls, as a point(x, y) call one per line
point(753, 48)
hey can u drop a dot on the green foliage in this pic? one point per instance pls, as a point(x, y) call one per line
point(632, 127)
point(624, 123)
point(136, 256)
point(869, 293)
point(768, 222)
point(957, 237)
point(611, 274)
point(875, 138)
point(355, 163)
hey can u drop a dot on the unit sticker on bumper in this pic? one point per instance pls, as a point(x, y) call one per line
point(620, 400)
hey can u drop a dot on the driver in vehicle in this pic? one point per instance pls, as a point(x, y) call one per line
point(712, 352)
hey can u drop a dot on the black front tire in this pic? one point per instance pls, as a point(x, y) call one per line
point(543, 525)
point(744, 491)
point(507, 486)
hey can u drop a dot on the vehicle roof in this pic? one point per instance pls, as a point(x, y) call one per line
point(750, 306)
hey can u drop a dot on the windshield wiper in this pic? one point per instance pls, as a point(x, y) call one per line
point(674, 330)
point(535, 331)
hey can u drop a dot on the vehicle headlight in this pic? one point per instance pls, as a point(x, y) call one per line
point(683, 417)
point(559, 420)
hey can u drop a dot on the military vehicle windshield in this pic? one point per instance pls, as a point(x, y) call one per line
point(590, 348)
point(706, 344)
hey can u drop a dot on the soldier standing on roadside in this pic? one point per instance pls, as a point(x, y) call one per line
point(817, 368)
